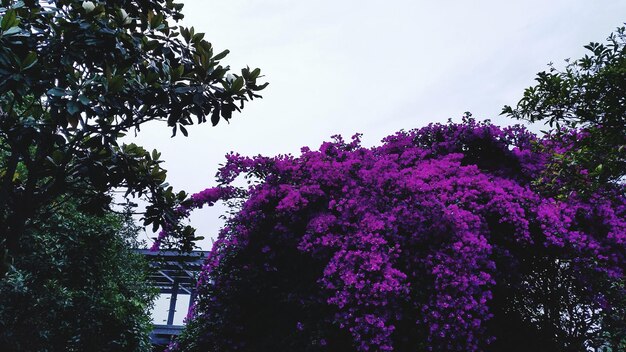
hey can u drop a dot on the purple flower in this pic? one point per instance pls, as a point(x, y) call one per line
point(419, 234)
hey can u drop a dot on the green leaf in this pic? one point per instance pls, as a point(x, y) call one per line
point(73, 108)
point(215, 116)
point(185, 33)
point(151, 45)
point(261, 87)
point(9, 20)
point(177, 72)
point(116, 83)
point(11, 31)
point(84, 100)
point(599, 169)
point(198, 37)
point(57, 92)
point(29, 61)
point(227, 112)
point(237, 84)
point(221, 55)
point(156, 20)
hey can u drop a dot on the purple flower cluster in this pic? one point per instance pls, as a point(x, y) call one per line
point(408, 238)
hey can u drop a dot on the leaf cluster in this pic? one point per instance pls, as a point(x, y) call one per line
point(76, 286)
point(76, 76)
point(588, 94)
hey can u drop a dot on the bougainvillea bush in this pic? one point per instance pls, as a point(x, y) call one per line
point(440, 239)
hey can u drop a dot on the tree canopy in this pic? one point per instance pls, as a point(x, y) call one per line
point(75, 76)
point(590, 94)
point(75, 285)
point(438, 240)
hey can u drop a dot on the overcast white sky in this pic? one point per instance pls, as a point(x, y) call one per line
point(372, 67)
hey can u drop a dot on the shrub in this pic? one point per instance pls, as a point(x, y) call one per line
point(439, 239)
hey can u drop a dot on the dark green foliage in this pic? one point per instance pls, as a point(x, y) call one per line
point(76, 286)
point(590, 94)
point(585, 105)
point(74, 77)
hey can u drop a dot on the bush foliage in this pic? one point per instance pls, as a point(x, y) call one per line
point(439, 239)
point(76, 286)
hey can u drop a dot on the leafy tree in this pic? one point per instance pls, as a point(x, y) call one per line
point(437, 240)
point(76, 286)
point(74, 77)
point(590, 95)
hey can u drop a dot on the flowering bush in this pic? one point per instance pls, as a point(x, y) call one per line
point(437, 240)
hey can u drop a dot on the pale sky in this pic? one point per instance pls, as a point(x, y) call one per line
point(371, 67)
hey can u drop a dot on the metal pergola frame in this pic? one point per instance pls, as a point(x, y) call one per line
point(172, 273)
